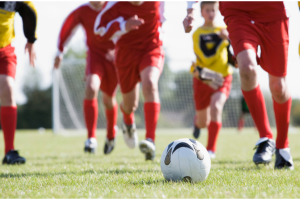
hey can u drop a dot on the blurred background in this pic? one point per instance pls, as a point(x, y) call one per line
point(34, 85)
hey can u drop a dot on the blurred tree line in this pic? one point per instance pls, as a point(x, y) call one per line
point(176, 111)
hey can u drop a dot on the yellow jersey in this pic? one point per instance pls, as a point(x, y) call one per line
point(28, 13)
point(211, 50)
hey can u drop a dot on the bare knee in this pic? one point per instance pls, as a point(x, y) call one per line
point(130, 107)
point(279, 90)
point(247, 67)
point(149, 87)
point(7, 91)
point(202, 123)
point(92, 87)
point(109, 101)
point(247, 71)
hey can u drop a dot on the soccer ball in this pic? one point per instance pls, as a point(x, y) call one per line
point(185, 159)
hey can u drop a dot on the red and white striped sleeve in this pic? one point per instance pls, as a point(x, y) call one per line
point(108, 25)
point(68, 29)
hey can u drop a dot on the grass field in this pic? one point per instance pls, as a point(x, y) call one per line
point(57, 168)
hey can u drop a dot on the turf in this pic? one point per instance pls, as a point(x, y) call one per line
point(57, 168)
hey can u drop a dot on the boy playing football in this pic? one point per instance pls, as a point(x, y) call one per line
point(100, 73)
point(135, 29)
point(210, 46)
point(8, 63)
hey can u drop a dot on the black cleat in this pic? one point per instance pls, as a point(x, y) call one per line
point(12, 157)
point(265, 148)
point(109, 146)
point(284, 159)
point(196, 132)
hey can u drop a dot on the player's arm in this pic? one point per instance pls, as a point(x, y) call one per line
point(210, 77)
point(189, 19)
point(67, 30)
point(28, 14)
point(109, 25)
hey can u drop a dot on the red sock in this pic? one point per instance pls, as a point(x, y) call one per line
point(241, 124)
point(151, 111)
point(256, 104)
point(213, 133)
point(9, 123)
point(91, 116)
point(282, 117)
point(111, 122)
point(128, 118)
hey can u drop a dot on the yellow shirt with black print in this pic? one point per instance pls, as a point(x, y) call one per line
point(28, 14)
point(211, 50)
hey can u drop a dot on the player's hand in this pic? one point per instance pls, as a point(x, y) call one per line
point(188, 21)
point(29, 47)
point(57, 61)
point(211, 78)
point(133, 23)
point(110, 55)
point(224, 34)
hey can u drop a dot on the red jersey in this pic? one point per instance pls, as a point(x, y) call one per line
point(110, 24)
point(84, 15)
point(259, 11)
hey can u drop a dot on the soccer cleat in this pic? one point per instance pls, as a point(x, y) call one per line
point(211, 154)
point(130, 135)
point(12, 157)
point(196, 132)
point(147, 147)
point(90, 145)
point(284, 159)
point(265, 148)
point(109, 145)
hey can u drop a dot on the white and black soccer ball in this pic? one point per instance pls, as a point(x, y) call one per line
point(185, 159)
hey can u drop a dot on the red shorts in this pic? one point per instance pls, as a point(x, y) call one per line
point(203, 93)
point(8, 61)
point(96, 63)
point(130, 62)
point(273, 38)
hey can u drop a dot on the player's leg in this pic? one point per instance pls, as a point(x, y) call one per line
point(217, 102)
point(252, 93)
point(128, 107)
point(202, 94)
point(282, 102)
point(90, 108)
point(109, 83)
point(9, 119)
point(241, 122)
point(111, 112)
point(149, 79)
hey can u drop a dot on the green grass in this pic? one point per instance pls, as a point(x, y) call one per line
point(57, 168)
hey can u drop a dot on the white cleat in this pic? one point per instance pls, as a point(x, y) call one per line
point(130, 135)
point(211, 154)
point(147, 147)
point(90, 145)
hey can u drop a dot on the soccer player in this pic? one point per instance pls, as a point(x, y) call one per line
point(8, 63)
point(266, 24)
point(100, 73)
point(135, 29)
point(211, 50)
